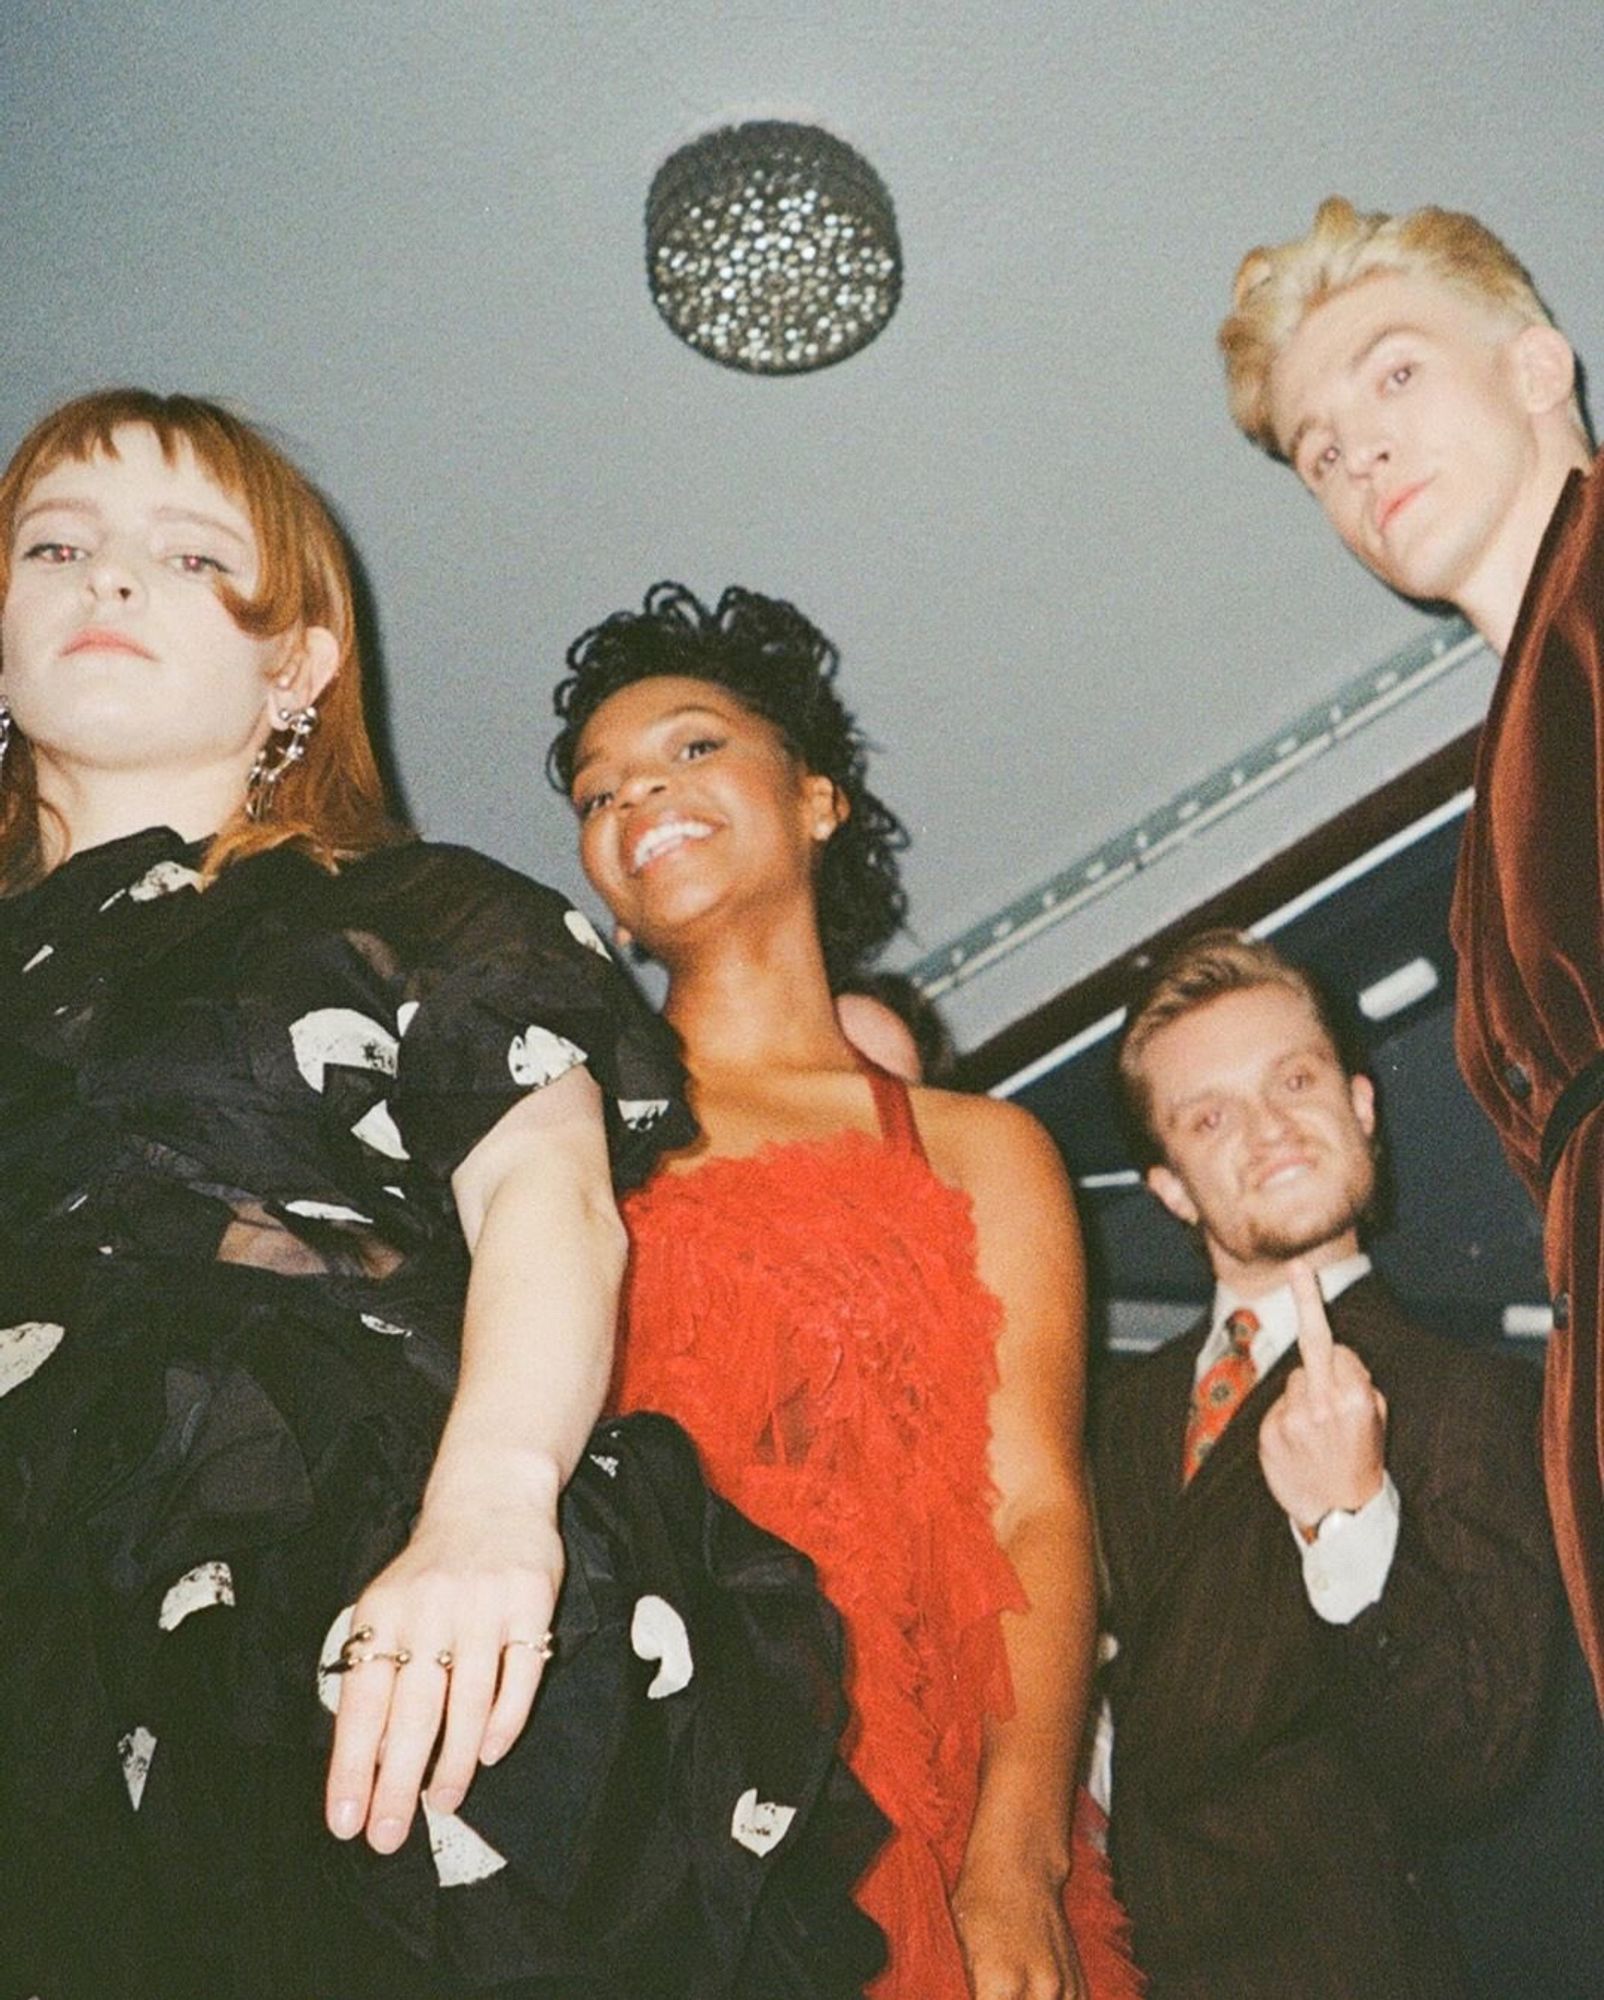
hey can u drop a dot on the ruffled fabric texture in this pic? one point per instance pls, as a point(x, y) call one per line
point(814, 1317)
point(230, 1294)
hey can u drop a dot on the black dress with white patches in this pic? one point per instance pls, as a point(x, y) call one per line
point(231, 1284)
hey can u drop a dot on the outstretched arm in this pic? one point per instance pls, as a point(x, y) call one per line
point(1008, 1903)
point(479, 1579)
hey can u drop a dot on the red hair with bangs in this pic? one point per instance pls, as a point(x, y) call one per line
point(332, 801)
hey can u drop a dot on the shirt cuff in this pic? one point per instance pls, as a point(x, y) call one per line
point(1345, 1567)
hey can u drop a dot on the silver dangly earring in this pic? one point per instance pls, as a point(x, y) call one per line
point(275, 758)
point(5, 730)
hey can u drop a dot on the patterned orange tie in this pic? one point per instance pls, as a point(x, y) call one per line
point(1219, 1394)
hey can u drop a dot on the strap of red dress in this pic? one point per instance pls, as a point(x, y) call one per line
point(894, 1109)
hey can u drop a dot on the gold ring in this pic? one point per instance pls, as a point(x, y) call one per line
point(541, 1647)
point(351, 1658)
point(445, 1658)
point(351, 1653)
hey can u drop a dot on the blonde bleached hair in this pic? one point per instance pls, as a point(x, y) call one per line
point(1278, 286)
point(331, 802)
point(1201, 969)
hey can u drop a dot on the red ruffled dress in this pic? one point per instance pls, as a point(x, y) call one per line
point(813, 1315)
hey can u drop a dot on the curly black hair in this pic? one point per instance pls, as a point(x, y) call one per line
point(780, 666)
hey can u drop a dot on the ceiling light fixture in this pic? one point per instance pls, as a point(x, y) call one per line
point(772, 248)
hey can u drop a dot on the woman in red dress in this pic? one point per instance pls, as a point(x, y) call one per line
point(865, 1303)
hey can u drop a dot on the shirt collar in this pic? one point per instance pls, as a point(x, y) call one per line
point(1277, 1313)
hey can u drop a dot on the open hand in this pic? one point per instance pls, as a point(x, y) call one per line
point(469, 1603)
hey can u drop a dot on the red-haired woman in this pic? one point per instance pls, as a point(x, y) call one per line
point(308, 1268)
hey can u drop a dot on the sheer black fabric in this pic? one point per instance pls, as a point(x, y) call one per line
point(231, 1281)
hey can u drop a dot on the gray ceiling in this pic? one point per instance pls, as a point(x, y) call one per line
point(407, 236)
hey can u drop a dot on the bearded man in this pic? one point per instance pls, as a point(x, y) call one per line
point(1331, 1581)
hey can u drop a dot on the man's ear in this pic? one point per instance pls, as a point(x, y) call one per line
point(1545, 368)
point(1171, 1190)
point(1363, 1094)
point(308, 667)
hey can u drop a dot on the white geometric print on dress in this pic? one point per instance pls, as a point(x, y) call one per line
point(376, 1128)
point(342, 1036)
point(329, 1682)
point(581, 927)
point(45, 951)
point(25, 1349)
point(326, 1211)
point(198, 1589)
point(460, 1855)
point(641, 1113)
point(537, 1057)
point(657, 1632)
point(386, 1326)
point(349, 1040)
point(165, 879)
point(760, 1824)
point(135, 1751)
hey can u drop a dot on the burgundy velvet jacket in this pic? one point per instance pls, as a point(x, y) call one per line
point(1528, 926)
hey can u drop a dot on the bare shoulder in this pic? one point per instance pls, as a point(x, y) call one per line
point(1027, 1241)
point(978, 1143)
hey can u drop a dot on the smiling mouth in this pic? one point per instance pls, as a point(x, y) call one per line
point(665, 838)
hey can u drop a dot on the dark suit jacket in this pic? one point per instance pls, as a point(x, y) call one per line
point(1275, 1777)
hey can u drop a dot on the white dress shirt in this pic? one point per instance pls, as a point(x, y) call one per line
point(1345, 1567)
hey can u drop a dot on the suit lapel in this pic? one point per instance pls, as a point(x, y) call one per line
point(1228, 1481)
point(1229, 1485)
point(1163, 1437)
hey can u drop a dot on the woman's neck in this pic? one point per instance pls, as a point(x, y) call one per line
point(744, 1003)
point(82, 813)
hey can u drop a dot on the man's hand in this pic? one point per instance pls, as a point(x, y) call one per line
point(1323, 1444)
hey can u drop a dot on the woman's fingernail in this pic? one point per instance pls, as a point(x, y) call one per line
point(445, 1798)
point(345, 1818)
point(387, 1835)
point(492, 1750)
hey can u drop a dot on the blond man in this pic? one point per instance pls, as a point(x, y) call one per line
point(1407, 370)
